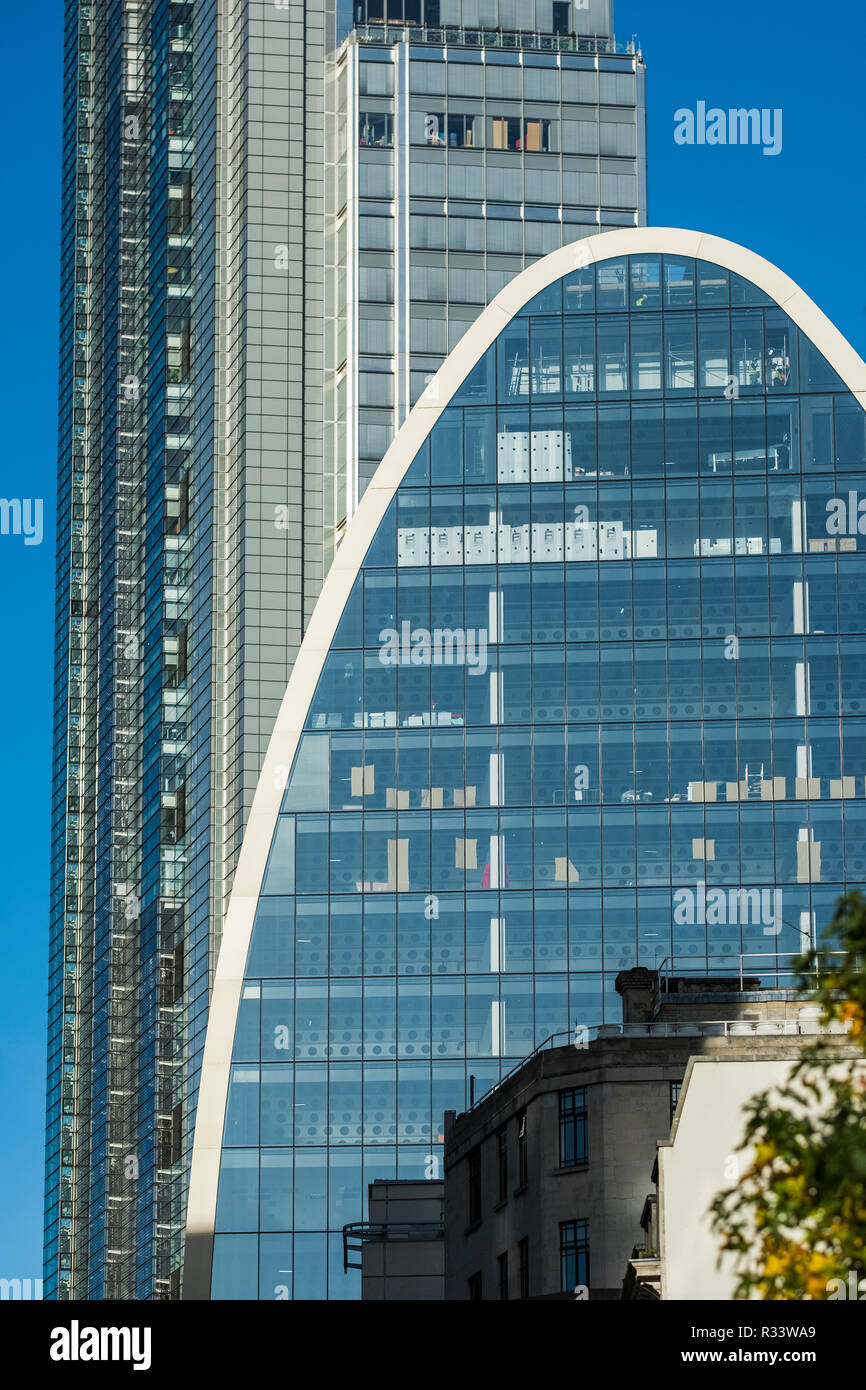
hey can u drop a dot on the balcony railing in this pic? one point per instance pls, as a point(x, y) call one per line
point(808, 1024)
point(454, 36)
point(359, 1233)
point(747, 963)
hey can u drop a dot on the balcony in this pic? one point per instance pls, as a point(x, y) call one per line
point(460, 37)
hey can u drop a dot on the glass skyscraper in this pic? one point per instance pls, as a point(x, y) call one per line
point(271, 212)
point(585, 688)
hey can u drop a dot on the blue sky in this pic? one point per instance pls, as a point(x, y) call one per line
point(804, 209)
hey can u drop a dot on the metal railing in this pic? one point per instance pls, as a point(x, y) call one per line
point(457, 36)
point(808, 1024)
point(673, 967)
point(359, 1233)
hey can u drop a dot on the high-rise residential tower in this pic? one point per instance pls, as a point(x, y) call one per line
point(278, 216)
point(585, 689)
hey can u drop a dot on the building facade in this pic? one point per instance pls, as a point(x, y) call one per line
point(189, 556)
point(225, 253)
point(584, 688)
point(468, 140)
point(400, 1250)
point(549, 1179)
point(707, 1131)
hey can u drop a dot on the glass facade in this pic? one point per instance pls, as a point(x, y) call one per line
point(189, 555)
point(127, 959)
point(597, 699)
point(209, 312)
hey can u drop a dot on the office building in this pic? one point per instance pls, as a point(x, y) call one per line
point(469, 140)
point(584, 688)
point(242, 186)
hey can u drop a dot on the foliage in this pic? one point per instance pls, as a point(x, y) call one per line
point(797, 1216)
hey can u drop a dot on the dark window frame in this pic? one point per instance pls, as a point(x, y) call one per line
point(522, 1151)
point(675, 1092)
point(573, 1127)
point(502, 1162)
point(473, 1175)
point(574, 1254)
point(523, 1266)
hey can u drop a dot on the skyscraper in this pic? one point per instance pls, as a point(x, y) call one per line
point(584, 689)
point(468, 140)
point(255, 285)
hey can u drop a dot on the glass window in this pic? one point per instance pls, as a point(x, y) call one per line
point(375, 128)
point(780, 372)
point(612, 278)
point(646, 290)
point(574, 1255)
point(646, 355)
point(473, 1177)
point(523, 1262)
point(850, 434)
point(713, 285)
point(679, 282)
point(573, 1150)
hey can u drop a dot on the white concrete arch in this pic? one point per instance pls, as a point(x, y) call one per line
point(287, 731)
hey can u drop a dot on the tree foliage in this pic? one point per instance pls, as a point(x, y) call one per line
point(796, 1219)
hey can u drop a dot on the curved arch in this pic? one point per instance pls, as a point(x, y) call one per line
point(225, 998)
